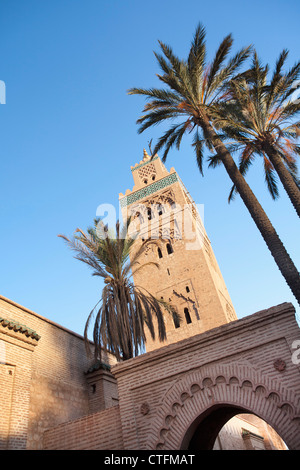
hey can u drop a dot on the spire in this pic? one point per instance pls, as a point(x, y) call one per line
point(146, 156)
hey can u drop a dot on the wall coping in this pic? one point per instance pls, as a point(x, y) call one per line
point(221, 332)
point(40, 317)
point(31, 312)
point(19, 327)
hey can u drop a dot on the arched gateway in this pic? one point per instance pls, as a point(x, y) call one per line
point(212, 366)
point(199, 404)
point(223, 366)
point(179, 396)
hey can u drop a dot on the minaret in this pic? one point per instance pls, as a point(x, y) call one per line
point(188, 275)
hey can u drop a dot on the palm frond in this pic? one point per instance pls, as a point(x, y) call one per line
point(196, 59)
point(198, 144)
point(221, 79)
point(270, 178)
point(172, 137)
point(219, 58)
point(123, 311)
point(156, 117)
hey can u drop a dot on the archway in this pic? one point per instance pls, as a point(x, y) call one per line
point(200, 403)
point(248, 432)
point(204, 432)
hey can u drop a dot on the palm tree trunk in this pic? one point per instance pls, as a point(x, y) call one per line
point(275, 245)
point(284, 175)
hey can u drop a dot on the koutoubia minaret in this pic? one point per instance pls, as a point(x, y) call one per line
point(188, 275)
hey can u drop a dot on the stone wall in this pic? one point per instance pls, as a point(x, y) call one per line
point(99, 431)
point(246, 365)
point(15, 377)
point(44, 375)
point(248, 432)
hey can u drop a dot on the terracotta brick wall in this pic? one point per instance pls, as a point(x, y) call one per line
point(15, 376)
point(6, 381)
point(103, 389)
point(246, 363)
point(161, 393)
point(99, 431)
point(164, 391)
point(50, 385)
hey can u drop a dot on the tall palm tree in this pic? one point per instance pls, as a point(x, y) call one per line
point(124, 310)
point(192, 94)
point(261, 118)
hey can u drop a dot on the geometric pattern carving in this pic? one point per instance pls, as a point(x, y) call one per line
point(147, 172)
point(145, 408)
point(148, 190)
point(137, 167)
point(234, 385)
point(280, 365)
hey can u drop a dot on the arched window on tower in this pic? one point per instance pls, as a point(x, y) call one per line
point(169, 248)
point(171, 203)
point(176, 321)
point(140, 217)
point(159, 253)
point(149, 214)
point(187, 315)
point(160, 209)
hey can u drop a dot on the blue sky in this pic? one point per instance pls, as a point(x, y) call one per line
point(68, 139)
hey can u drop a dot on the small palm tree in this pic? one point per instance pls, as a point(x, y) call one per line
point(124, 310)
point(194, 90)
point(261, 120)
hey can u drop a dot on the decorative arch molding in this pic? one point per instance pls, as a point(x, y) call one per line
point(240, 386)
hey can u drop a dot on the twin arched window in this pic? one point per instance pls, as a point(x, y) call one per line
point(187, 318)
point(176, 322)
point(151, 214)
point(169, 250)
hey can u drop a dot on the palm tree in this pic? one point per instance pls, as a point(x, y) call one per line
point(260, 118)
point(194, 90)
point(124, 310)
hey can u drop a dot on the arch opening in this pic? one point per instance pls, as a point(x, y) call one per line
point(226, 427)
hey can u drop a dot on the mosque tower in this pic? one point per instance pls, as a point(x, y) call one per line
point(188, 276)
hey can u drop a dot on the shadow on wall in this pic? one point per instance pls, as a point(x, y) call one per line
point(49, 377)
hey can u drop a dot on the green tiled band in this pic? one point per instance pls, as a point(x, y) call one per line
point(148, 190)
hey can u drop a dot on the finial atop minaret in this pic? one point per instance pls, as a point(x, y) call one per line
point(149, 169)
point(146, 156)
